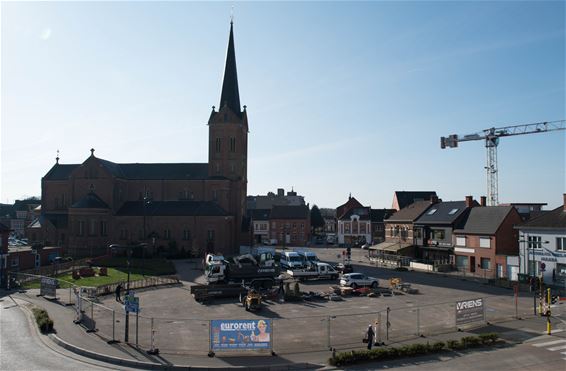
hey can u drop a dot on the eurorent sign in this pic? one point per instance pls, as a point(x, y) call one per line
point(240, 334)
point(468, 311)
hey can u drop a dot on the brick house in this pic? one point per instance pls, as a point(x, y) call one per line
point(487, 238)
point(399, 231)
point(193, 206)
point(26, 257)
point(290, 225)
point(377, 218)
point(402, 199)
point(433, 229)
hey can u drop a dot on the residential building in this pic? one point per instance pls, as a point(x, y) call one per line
point(347, 206)
point(27, 257)
point(4, 234)
point(542, 246)
point(272, 199)
point(290, 225)
point(402, 199)
point(260, 224)
point(487, 238)
point(329, 216)
point(354, 227)
point(400, 237)
point(190, 206)
point(527, 210)
point(377, 217)
point(433, 229)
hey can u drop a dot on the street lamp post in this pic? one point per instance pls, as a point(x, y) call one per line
point(127, 329)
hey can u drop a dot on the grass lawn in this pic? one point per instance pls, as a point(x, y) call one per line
point(114, 275)
point(117, 272)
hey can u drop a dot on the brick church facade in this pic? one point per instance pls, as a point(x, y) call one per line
point(197, 207)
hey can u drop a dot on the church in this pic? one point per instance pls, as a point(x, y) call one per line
point(196, 207)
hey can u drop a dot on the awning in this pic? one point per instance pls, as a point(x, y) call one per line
point(391, 246)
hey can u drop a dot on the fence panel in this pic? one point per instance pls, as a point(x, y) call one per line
point(349, 330)
point(300, 334)
point(184, 335)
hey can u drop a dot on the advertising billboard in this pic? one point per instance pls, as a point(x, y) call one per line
point(468, 311)
point(240, 334)
point(48, 286)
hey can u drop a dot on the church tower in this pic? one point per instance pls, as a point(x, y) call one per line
point(228, 137)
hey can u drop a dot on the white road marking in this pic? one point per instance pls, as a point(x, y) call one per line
point(557, 348)
point(554, 331)
point(549, 343)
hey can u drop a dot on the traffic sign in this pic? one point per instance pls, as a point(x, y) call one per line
point(542, 267)
point(131, 303)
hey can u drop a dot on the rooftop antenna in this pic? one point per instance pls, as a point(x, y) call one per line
point(232, 15)
point(57, 158)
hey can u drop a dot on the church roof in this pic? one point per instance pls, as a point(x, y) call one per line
point(90, 201)
point(171, 208)
point(60, 172)
point(230, 94)
point(140, 171)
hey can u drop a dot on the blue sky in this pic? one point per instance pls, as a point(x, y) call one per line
point(342, 97)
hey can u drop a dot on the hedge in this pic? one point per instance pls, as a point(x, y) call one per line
point(411, 350)
point(44, 323)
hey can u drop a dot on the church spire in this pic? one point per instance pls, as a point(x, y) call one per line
point(230, 93)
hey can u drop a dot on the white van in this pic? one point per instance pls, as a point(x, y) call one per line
point(309, 258)
point(291, 260)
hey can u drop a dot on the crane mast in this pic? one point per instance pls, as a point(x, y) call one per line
point(491, 137)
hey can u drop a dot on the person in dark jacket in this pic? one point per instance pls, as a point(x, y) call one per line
point(118, 291)
point(370, 335)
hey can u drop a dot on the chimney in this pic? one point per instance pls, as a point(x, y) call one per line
point(469, 201)
point(483, 201)
point(564, 195)
point(433, 199)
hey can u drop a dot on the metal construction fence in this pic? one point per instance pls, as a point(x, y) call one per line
point(289, 334)
point(302, 333)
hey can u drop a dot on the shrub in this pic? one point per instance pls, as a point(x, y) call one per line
point(488, 338)
point(438, 346)
point(471, 341)
point(354, 356)
point(454, 344)
point(44, 323)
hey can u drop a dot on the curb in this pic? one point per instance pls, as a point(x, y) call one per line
point(159, 366)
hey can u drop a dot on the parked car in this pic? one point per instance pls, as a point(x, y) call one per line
point(365, 246)
point(344, 268)
point(355, 280)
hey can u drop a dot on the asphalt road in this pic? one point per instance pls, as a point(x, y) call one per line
point(21, 347)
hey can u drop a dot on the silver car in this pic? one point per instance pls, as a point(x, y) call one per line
point(355, 280)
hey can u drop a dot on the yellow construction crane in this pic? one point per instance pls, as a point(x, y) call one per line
point(491, 137)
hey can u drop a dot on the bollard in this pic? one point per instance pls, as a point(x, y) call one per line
point(328, 333)
point(418, 322)
point(113, 325)
point(379, 327)
point(387, 325)
point(92, 314)
point(70, 302)
point(137, 327)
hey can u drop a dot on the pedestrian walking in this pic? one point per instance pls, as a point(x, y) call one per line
point(369, 336)
point(118, 291)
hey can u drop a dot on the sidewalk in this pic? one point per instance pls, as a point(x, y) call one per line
point(75, 338)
